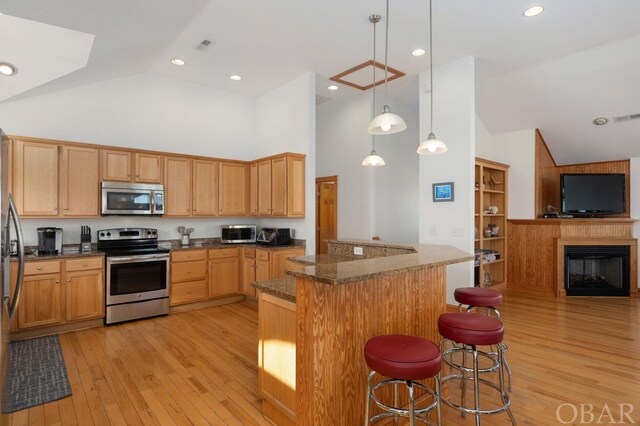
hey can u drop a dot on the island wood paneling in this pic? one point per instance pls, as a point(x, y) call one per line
point(335, 322)
point(547, 186)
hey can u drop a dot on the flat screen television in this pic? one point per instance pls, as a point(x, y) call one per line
point(592, 194)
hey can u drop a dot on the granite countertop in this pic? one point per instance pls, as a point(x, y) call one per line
point(284, 288)
point(321, 259)
point(426, 255)
point(66, 254)
point(176, 245)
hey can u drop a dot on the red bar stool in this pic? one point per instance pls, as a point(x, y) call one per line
point(470, 330)
point(479, 297)
point(404, 359)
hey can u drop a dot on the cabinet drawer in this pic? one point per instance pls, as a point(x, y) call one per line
point(249, 252)
point(84, 264)
point(35, 268)
point(188, 271)
point(188, 292)
point(222, 253)
point(188, 255)
point(263, 255)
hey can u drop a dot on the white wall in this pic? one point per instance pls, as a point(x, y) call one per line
point(372, 201)
point(148, 111)
point(483, 140)
point(635, 200)
point(450, 223)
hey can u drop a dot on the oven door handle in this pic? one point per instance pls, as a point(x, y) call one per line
point(135, 259)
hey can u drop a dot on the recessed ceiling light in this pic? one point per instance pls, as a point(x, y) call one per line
point(333, 87)
point(533, 11)
point(7, 69)
point(235, 77)
point(418, 52)
point(600, 121)
point(176, 61)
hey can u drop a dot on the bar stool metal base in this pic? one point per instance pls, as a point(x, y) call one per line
point(413, 413)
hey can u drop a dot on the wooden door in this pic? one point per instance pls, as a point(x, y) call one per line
point(232, 195)
point(205, 188)
point(116, 165)
point(148, 168)
point(295, 186)
point(223, 276)
point(177, 186)
point(279, 261)
point(279, 186)
point(84, 295)
point(80, 182)
point(36, 178)
point(40, 301)
point(249, 272)
point(264, 188)
point(326, 212)
point(253, 189)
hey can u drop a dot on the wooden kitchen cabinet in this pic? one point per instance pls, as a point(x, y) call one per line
point(84, 294)
point(248, 271)
point(224, 271)
point(295, 186)
point(264, 188)
point(128, 166)
point(279, 186)
point(41, 301)
point(35, 179)
point(279, 261)
point(253, 189)
point(177, 186)
point(205, 188)
point(80, 182)
point(188, 276)
point(278, 183)
point(263, 265)
point(232, 189)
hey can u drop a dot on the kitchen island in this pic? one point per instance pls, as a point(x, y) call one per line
point(339, 302)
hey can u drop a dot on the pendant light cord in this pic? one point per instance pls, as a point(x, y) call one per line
point(386, 50)
point(373, 106)
point(431, 66)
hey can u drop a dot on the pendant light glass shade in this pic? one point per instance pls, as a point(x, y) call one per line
point(386, 123)
point(432, 146)
point(373, 160)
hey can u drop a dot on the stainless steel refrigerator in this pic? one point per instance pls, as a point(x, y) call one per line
point(10, 230)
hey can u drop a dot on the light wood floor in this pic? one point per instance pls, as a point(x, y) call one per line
point(199, 367)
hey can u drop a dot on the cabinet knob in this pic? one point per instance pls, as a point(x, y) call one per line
point(57, 281)
point(128, 174)
point(68, 280)
point(66, 209)
point(189, 292)
point(39, 268)
point(84, 264)
point(189, 257)
point(188, 272)
point(137, 175)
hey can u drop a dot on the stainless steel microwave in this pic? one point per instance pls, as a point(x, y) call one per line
point(232, 234)
point(123, 198)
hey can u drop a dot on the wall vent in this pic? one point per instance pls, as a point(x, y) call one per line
point(626, 118)
point(204, 45)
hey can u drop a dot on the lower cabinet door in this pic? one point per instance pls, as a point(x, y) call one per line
point(223, 277)
point(84, 295)
point(248, 276)
point(188, 292)
point(41, 301)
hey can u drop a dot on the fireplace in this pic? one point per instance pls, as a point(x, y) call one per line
point(596, 270)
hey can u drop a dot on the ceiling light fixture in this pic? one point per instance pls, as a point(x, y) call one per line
point(373, 159)
point(235, 77)
point(333, 87)
point(386, 123)
point(7, 69)
point(533, 11)
point(432, 145)
point(418, 52)
point(178, 62)
point(600, 121)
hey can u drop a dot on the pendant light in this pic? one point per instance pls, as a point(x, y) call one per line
point(432, 145)
point(373, 159)
point(386, 123)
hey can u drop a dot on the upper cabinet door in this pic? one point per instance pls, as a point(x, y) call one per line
point(36, 178)
point(80, 181)
point(148, 168)
point(279, 186)
point(253, 189)
point(264, 188)
point(116, 165)
point(295, 186)
point(177, 186)
point(232, 189)
point(205, 188)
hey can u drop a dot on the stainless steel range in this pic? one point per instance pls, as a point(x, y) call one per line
point(137, 274)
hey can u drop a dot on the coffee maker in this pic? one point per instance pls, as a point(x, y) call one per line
point(49, 240)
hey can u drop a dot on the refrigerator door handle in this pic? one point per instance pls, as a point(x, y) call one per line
point(13, 210)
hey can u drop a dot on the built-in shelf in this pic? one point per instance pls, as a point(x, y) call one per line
point(492, 238)
point(493, 261)
point(492, 191)
point(493, 215)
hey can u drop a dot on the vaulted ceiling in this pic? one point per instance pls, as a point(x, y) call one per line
point(557, 71)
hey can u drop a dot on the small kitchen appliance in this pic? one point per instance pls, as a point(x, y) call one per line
point(274, 236)
point(235, 234)
point(49, 240)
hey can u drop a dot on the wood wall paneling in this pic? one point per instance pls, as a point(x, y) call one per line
point(547, 184)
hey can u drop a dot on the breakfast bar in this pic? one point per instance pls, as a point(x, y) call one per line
point(339, 302)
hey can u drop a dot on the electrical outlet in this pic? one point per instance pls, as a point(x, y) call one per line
point(358, 251)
